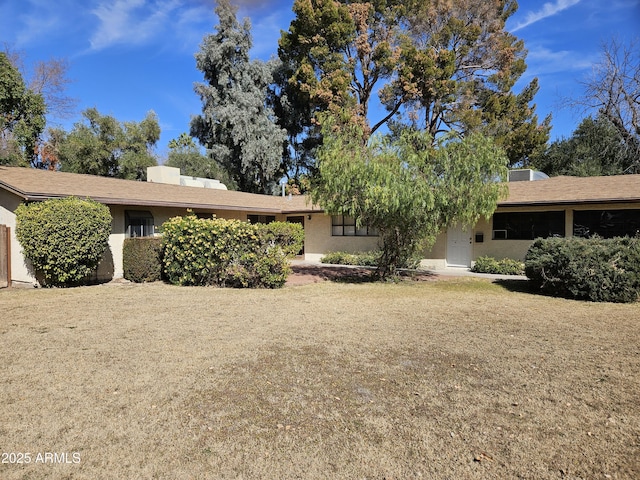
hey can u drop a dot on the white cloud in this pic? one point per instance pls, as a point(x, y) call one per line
point(549, 9)
point(543, 61)
point(133, 22)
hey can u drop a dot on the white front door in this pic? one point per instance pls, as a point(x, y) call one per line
point(459, 246)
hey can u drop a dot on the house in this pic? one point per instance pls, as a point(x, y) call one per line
point(560, 206)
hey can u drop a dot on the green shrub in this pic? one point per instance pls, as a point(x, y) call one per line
point(63, 238)
point(365, 259)
point(142, 259)
point(596, 269)
point(505, 266)
point(223, 252)
point(289, 236)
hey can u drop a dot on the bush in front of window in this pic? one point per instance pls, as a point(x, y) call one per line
point(225, 253)
point(365, 259)
point(595, 269)
point(63, 238)
point(289, 236)
point(505, 266)
point(142, 259)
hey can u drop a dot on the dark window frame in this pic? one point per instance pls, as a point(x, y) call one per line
point(345, 226)
point(139, 223)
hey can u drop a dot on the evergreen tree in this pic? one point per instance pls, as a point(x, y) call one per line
point(103, 146)
point(22, 116)
point(596, 147)
point(236, 124)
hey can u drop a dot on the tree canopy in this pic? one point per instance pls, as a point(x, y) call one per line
point(405, 188)
point(237, 125)
point(438, 66)
point(22, 116)
point(101, 145)
point(596, 147)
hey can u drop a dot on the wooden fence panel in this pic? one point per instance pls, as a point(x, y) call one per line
point(5, 256)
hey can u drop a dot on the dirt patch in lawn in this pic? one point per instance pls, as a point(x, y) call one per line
point(456, 379)
point(306, 274)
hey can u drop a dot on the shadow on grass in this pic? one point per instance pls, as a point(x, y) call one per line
point(348, 274)
point(520, 286)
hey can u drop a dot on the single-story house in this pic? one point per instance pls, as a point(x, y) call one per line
point(559, 206)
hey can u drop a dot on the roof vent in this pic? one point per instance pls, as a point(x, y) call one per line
point(526, 175)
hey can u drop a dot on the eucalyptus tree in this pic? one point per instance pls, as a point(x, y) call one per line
point(236, 125)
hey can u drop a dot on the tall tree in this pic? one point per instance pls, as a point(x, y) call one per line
point(48, 78)
point(22, 116)
point(406, 189)
point(185, 154)
point(613, 90)
point(596, 147)
point(236, 124)
point(103, 146)
point(443, 65)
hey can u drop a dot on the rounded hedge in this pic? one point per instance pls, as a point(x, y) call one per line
point(142, 259)
point(595, 269)
point(63, 238)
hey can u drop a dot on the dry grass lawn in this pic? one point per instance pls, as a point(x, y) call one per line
point(439, 379)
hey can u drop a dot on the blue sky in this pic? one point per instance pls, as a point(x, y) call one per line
point(131, 56)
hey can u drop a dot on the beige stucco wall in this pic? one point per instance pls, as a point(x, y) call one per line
point(20, 269)
point(318, 239)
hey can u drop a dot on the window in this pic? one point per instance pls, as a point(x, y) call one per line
point(606, 223)
point(344, 226)
point(527, 225)
point(261, 218)
point(138, 223)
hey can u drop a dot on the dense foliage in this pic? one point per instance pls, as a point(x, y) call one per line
point(437, 66)
point(101, 145)
point(504, 266)
point(236, 124)
point(595, 269)
point(142, 259)
point(365, 259)
point(64, 238)
point(595, 148)
point(225, 253)
point(22, 116)
point(406, 189)
point(287, 236)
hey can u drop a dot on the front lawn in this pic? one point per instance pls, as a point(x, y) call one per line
point(435, 379)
